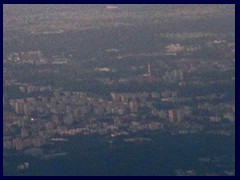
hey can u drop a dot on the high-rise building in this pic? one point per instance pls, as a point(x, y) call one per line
point(172, 115)
point(133, 106)
point(149, 70)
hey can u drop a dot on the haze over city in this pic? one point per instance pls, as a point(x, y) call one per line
point(119, 90)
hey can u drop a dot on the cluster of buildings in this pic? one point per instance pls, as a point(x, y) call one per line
point(171, 76)
point(71, 113)
point(30, 88)
point(74, 105)
point(34, 57)
point(20, 143)
point(219, 112)
point(39, 118)
point(29, 57)
point(175, 49)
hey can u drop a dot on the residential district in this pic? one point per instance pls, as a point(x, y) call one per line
point(47, 111)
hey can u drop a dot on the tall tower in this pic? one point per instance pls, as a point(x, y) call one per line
point(149, 70)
